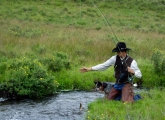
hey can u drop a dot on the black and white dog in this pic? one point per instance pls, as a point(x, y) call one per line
point(103, 86)
point(107, 86)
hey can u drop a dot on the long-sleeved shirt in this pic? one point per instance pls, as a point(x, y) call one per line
point(111, 61)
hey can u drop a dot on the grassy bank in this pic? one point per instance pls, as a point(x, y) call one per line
point(150, 107)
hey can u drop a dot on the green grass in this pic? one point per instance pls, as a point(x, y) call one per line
point(150, 107)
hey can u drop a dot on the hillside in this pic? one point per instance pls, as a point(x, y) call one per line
point(79, 28)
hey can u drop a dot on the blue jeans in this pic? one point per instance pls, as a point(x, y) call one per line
point(119, 87)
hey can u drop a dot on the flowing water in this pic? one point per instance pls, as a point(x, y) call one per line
point(62, 106)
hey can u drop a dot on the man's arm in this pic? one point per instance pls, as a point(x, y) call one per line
point(106, 64)
point(100, 67)
point(133, 69)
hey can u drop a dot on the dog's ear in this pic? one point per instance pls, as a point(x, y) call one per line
point(99, 82)
point(105, 85)
point(95, 82)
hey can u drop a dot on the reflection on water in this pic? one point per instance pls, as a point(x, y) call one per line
point(63, 106)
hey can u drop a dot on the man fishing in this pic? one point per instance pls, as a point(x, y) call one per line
point(125, 67)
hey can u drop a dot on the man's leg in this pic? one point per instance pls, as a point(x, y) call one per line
point(127, 93)
point(113, 94)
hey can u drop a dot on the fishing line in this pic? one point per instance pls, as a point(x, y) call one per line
point(109, 25)
point(80, 8)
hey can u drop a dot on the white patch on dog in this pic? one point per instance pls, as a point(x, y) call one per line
point(135, 85)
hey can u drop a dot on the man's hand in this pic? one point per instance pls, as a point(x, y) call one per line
point(84, 69)
point(130, 70)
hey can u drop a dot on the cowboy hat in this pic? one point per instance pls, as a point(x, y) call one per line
point(120, 46)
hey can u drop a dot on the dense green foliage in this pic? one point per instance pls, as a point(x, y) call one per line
point(32, 78)
point(158, 58)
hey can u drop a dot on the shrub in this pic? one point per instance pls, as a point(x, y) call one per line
point(158, 58)
point(57, 62)
point(27, 78)
point(28, 32)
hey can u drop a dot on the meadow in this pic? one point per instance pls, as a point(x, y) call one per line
point(44, 43)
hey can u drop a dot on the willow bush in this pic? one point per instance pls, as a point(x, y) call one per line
point(56, 62)
point(158, 58)
point(27, 77)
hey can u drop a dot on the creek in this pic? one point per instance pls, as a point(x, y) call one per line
point(62, 106)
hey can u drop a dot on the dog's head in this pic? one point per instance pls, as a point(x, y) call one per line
point(100, 85)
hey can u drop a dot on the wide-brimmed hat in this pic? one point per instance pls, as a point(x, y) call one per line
point(120, 46)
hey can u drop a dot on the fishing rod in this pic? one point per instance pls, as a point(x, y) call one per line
point(109, 26)
point(130, 78)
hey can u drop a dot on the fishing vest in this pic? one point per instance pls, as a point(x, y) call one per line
point(120, 68)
